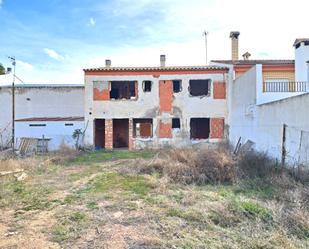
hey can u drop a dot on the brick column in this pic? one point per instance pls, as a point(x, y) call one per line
point(108, 134)
point(131, 145)
point(219, 90)
point(165, 129)
point(216, 127)
point(166, 95)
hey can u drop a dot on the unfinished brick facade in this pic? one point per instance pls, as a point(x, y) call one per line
point(108, 134)
point(166, 95)
point(131, 142)
point(165, 130)
point(219, 90)
point(101, 91)
point(217, 128)
point(137, 118)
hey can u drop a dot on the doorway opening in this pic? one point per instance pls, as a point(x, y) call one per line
point(120, 133)
point(99, 133)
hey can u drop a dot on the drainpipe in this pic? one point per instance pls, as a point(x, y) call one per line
point(307, 84)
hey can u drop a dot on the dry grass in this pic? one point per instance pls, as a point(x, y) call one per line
point(184, 198)
point(190, 165)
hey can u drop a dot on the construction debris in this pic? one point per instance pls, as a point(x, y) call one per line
point(3, 173)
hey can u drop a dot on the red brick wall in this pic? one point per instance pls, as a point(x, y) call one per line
point(166, 95)
point(131, 144)
point(216, 127)
point(165, 130)
point(219, 90)
point(108, 134)
point(101, 95)
point(136, 89)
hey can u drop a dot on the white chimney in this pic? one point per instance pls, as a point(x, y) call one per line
point(162, 60)
point(301, 58)
point(108, 63)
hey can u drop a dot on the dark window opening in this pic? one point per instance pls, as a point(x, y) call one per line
point(99, 133)
point(37, 125)
point(120, 133)
point(142, 128)
point(176, 123)
point(177, 86)
point(147, 85)
point(199, 87)
point(199, 128)
point(122, 89)
point(69, 124)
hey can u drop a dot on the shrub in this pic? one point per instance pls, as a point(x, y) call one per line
point(255, 164)
point(189, 166)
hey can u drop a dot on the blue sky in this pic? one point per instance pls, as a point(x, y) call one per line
point(53, 40)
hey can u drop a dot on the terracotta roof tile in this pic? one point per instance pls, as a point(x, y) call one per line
point(171, 68)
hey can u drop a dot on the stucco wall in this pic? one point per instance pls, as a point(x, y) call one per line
point(147, 105)
point(263, 124)
point(39, 102)
point(57, 132)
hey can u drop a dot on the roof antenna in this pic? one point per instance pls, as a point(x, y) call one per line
point(205, 33)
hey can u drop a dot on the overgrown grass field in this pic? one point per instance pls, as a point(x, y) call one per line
point(151, 199)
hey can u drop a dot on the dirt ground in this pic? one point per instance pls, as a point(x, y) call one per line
point(88, 202)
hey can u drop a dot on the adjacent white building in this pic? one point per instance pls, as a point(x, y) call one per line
point(276, 120)
point(39, 101)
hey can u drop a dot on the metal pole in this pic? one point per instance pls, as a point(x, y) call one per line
point(283, 152)
point(205, 34)
point(13, 103)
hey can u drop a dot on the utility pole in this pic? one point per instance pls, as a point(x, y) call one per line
point(205, 33)
point(13, 102)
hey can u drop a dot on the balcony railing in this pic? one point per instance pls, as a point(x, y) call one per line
point(285, 86)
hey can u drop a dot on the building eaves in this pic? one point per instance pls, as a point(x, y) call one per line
point(46, 119)
point(158, 69)
point(254, 62)
point(26, 85)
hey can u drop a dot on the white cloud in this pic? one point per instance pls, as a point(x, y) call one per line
point(53, 54)
point(1, 2)
point(265, 32)
point(92, 21)
point(24, 65)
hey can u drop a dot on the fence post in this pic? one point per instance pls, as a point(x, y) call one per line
point(283, 155)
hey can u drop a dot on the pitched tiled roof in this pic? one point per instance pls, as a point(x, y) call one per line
point(254, 62)
point(171, 68)
point(46, 119)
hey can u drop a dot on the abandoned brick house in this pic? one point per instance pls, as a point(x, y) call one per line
point(138, 107)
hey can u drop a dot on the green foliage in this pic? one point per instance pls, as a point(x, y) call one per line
point(2, 69)
point(99, 156)
point(23, 196)
point(92, 205)
point(69, 226)
point(113, 181)
point(251, 210)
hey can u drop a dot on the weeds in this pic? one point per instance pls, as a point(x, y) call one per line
point(69, 226)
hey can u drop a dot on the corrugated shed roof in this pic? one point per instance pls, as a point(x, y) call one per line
point(26, 85)
point(254, 62)
point(171, 68)
point(46, 119)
